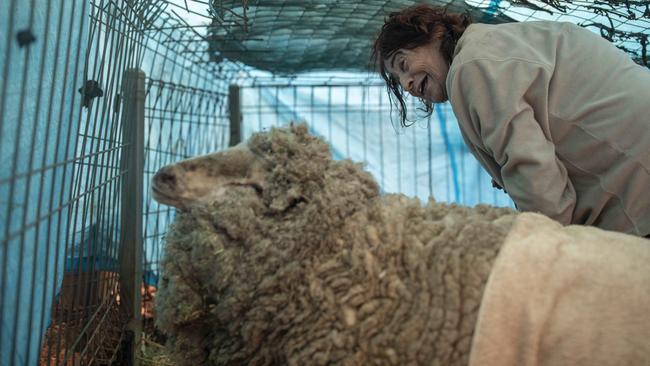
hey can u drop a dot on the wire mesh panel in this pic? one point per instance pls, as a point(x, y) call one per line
point(427, 159)
point(43, 46)
point(185, 115)
point(87, 323)
point(181, 122)
point(62, 127)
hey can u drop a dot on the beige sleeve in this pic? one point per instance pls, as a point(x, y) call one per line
point(498, 104)
point(559, 296)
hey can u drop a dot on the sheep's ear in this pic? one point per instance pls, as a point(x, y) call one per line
point(260, 143)
point(299, 129)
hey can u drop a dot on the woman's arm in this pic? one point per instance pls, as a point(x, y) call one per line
point(502, 106)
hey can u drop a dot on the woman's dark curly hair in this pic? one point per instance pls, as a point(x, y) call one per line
point(410, 28)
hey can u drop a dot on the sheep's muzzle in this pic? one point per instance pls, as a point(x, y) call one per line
point(207, 179)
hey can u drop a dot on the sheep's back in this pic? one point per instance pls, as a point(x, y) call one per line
point(404, 288)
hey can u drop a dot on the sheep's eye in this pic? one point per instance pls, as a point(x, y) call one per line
point(258, 188)
point(255, 186)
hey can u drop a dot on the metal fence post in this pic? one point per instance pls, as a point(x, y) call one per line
point(133, 92)
point(234, 106)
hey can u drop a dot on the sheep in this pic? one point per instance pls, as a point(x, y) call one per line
point(281, 255)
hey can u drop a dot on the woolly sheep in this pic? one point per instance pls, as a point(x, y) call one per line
point(280, 255)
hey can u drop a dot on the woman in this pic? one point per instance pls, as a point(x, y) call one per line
point(557, 115)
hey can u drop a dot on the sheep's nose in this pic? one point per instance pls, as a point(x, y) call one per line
point(166, 177)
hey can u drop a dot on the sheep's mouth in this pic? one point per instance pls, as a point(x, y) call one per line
point(158, 193)
point(163, 198)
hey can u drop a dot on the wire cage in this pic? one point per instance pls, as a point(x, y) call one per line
point(97, 95)
point(80, 245)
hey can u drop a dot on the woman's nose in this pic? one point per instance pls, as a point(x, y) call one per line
point(407, 83)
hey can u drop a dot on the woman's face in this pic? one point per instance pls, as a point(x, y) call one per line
point(422, 71)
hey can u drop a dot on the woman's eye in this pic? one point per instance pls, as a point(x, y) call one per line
point(403, 65)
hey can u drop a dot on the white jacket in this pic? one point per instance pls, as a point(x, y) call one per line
point(560, 118)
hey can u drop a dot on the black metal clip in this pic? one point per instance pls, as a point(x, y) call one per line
point(89, 91)
point(25, 38)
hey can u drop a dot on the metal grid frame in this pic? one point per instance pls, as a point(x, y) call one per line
point(48, 217)
point(75, 230)
point(86, 334)
point(181, 122)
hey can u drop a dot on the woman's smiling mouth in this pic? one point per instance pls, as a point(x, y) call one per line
point(423, 85)
point(423, 91)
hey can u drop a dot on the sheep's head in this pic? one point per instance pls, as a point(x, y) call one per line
point(285, 167)
point(250, 215)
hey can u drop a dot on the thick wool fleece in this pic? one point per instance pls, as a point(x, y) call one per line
point(320, 269)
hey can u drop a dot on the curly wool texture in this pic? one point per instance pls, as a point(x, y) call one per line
point(320, 269)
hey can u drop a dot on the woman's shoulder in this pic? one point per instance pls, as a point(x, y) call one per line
point(533, 42)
